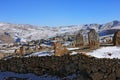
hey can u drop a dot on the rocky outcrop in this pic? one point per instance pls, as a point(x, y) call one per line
point(116, 38)
point(93, 39)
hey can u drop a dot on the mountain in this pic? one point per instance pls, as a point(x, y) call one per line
point(25, 32)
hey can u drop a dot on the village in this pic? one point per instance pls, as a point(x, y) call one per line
point(59, 45)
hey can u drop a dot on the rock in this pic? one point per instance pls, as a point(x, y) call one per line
point(14, 78)
point(116, 38)
point(80, 78)
point(36, 48)
point(22, 50)
point(93, 39)
point(2, 55)
point(112, 76)
point(83, 67)
point(59, 49)
point(97, 76)
point(79, 40)
point(30, 50)
point(117, 72)
point(17, 51)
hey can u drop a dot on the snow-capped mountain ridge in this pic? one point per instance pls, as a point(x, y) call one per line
point(27, 32)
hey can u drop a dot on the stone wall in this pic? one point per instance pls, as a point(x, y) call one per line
point(84, 67)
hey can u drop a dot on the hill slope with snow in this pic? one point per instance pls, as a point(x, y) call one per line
point(26, 32)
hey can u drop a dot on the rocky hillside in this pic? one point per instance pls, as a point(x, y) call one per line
point(26, 32)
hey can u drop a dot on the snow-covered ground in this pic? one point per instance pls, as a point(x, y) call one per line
point(50, 53)
point(7, 51)
point(106, 52)
point(103, 52)
point(73, 53)
point(76, 48)
point(29, 76)
point(42, 53)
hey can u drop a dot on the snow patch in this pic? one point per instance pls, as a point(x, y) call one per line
point(73, 53)
point(72, 48)
point(106, 52)
point(42, 53)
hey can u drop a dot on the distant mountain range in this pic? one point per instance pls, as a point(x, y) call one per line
point(24, 32)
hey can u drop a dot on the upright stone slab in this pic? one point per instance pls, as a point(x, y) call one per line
point(36, 48)
point(17, 51)
point(59, 49)
point(116, 38)
point(22, 50)
point(79, 40)
point(93, 39)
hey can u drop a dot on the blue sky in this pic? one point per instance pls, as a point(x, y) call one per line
point(59, 12)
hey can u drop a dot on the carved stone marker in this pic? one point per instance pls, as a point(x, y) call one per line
point(93, 39)
point(79, 40)
point(59, 49)
point(36, 48)
point(17, 51)
point(116, 38)
point(22, 50)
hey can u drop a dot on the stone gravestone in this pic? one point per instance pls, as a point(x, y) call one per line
point(79, 40)
point(59, 49)
point(22, 50)
point(36, 48)
point(116, 38)
point(17, 51)
point(93, 39)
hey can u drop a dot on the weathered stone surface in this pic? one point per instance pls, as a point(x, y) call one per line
point(14, 78)
point(112, 76)
point(22, 50)
point(118, 72)
point(59, 49)
point(93, 39)
point(79, 40)
point(2, 55)
point(116, 38)
point(17, 51)
point(30, 50)
point(37, 48)
point(97, 76)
